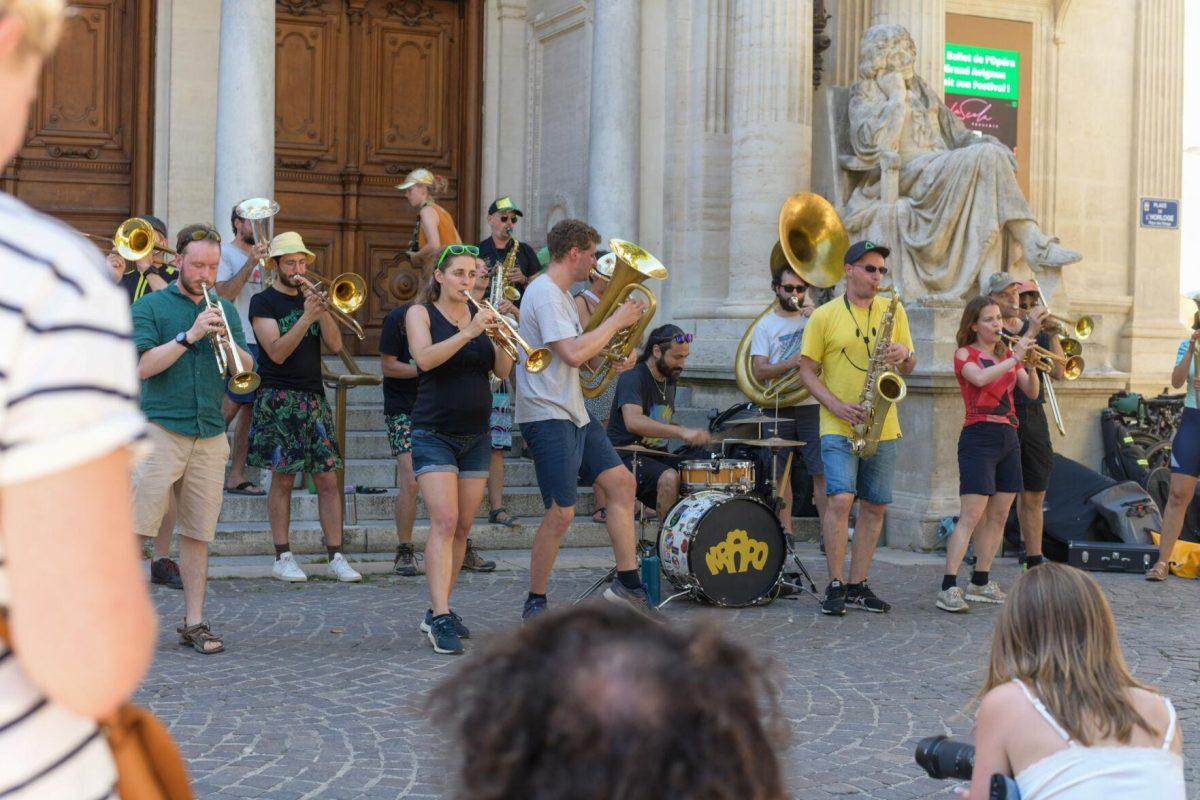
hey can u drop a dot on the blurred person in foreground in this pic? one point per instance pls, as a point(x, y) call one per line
point(603, 703)
point(68, 415)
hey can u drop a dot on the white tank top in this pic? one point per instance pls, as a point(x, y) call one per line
point(1103, 773)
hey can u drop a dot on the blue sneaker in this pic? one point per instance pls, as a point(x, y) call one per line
point(443, 637)
point(534, 607)
point(637, 599)
point(462, 630)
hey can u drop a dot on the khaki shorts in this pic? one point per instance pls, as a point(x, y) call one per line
point(198, 466)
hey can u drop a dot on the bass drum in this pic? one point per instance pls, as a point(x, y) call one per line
point(725, 549)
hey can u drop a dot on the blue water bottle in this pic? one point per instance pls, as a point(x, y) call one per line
point(651, 571)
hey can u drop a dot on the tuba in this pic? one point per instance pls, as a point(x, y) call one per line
point(634, 265)
point(811, 244)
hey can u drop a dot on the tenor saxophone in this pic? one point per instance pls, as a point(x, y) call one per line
point(501, 289)
point(881, 390)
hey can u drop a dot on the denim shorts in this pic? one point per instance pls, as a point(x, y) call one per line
point(870, 479)
point(562, 452)
point(469, 455)
point(248, 397)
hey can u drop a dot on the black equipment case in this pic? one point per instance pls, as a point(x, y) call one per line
point(1111, 556)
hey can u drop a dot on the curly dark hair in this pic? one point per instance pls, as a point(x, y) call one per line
point(597, 702)
point(567, 234)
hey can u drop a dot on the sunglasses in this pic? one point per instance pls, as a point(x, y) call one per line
point(506, 219)
point(871, 268)
point(456, 250)
point(792, 289)
point(678, 338)
point(206, 233)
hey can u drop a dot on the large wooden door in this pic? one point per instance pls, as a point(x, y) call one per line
point(89, 149)
point(366, 90)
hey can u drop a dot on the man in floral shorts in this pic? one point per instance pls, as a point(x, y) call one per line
point(291, 427)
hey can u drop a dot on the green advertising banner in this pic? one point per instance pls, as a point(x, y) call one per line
point(981, 88)
point(981, 71)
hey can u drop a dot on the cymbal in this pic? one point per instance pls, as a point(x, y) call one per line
point(757, 419)
point(773, 442)
point(637, 448)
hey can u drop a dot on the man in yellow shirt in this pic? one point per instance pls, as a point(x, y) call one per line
point(835, 355)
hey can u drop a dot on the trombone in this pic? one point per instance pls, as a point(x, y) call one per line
point(507, 339)
point(242, 381)
point(133, 240)
point(344, 295)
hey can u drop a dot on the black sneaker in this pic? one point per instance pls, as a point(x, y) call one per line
point(835, 599)
point(164, 571)
point(637, 599)
point(474, 562)
point(462, 630)
point(534, 607)
point(443, 637)
point(406, 561)
point(860, 595)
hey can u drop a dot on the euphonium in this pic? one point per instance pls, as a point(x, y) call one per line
point(881, 390)
point(501, 289)
point(811, 243)
point(634, 265)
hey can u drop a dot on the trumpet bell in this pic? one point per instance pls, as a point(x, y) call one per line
point(1083, 327)
point(538, 360)
point(812, 239)
point(1073, 368)
point(244, 382)
point(1070, 347)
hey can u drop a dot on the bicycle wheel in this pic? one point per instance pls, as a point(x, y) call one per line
point(1159, 455)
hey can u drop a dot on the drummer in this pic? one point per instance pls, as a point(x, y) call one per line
point(642, 411)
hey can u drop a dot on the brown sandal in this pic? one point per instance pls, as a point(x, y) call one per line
point(1158, 572)
point(198, 636)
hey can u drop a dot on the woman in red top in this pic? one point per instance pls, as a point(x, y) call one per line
point(989, 457)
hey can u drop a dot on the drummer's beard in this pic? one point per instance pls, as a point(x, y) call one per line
point(668, 372)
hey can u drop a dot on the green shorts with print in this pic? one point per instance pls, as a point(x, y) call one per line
point(399, 429)
point(292, 431)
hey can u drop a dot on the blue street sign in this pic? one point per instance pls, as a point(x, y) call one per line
point(1159, 213)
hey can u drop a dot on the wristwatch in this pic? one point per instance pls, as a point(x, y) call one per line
point(181, 338)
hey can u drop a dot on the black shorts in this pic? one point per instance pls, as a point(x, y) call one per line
point(1037, 454)
point(989, 459)
point(649, 470)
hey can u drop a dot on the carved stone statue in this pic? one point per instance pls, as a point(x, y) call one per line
point(939, 194)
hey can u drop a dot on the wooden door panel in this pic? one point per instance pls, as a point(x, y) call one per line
point(367, 90)
point(89, 144)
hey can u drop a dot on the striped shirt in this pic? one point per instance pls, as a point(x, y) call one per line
point(68, 395)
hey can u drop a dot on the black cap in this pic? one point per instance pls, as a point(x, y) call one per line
point(156, 223)
point(860, 249)
point(504, 204)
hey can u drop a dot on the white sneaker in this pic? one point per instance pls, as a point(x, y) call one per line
point(986, 594)
point(286, 569)
point(342, 570)
point(952, 600)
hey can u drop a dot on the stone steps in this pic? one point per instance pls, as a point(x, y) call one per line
point(520, 501)
point(254, 538)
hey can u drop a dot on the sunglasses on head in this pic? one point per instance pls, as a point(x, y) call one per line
point(456, 250)
point(678, 338)
point(793, 288)
point(206, 233)
point(871, 268)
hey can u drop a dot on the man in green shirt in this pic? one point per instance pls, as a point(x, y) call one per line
point(181, 393)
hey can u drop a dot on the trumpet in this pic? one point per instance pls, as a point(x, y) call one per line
point(1044, 360)
point(507, 339)
point(1082, 327)
point(344, 295)
point(242, 381)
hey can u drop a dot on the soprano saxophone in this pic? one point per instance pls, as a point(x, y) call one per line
point(882, 389)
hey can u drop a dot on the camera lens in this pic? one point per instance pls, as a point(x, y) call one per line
point(943, 758)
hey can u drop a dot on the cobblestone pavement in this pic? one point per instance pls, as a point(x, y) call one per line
point(319, 693)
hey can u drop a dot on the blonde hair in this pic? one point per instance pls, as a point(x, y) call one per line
point(42, 20)
point(1056, 634)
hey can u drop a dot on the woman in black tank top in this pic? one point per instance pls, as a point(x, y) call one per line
point(450, 436)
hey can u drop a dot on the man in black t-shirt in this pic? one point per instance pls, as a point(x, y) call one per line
point(642, 411)
point(502, 217)
point(399, 396)
point(291, 426)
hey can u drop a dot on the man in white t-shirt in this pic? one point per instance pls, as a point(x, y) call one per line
point(240, 277)
point(564, 441)
point(774, 353)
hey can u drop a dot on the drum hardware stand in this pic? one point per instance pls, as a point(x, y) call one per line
point(642, 547)
point(789, 550)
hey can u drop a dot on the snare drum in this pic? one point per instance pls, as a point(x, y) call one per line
point(725, 549)
point(718, 474)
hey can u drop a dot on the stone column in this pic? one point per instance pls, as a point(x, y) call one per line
point(1153, 331)
point(505, 114)
point(771, 133)
point(245, 148)
point(614, 145)
point(850, 19)
point(926, 21)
